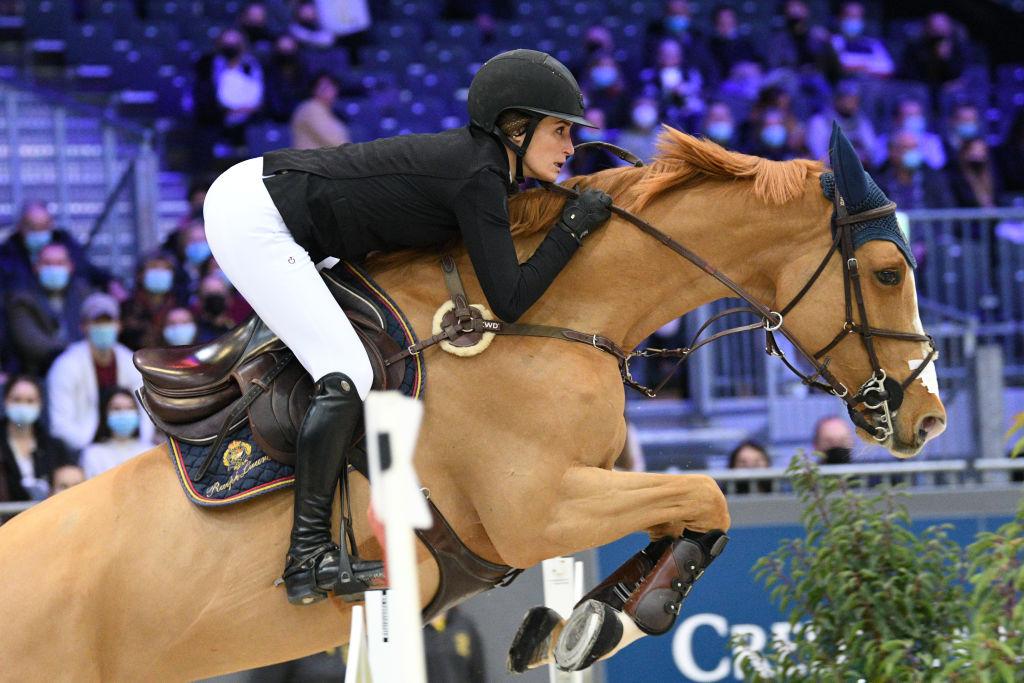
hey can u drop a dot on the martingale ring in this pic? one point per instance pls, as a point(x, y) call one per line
point(768, 321)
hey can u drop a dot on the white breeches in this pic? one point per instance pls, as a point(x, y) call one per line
point(276, 276)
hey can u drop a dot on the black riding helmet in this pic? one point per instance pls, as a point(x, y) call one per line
point(529, 81)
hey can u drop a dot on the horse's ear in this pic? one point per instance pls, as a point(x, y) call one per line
point(851, 179)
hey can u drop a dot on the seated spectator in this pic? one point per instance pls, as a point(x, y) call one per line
point(211, 311)
point(197, 189)
point(750, 455)
point(859, 55)
point(179, 327)
point(454, 650)
point(908, 180)
point(856, 125)
point(597, 42)
point(314, 123)
point(287, 79)
point(720, 126)
point(306, 28)
point(833, 440)
point(585, 161)
point(195, 252)
point(87, 368)
point(910, 117)
point(937, 57)
point(677, 23)
point(1010, 155)
point(744, 82)
point(776, 138)
point(973, 176)
point(43, 317)
point(28, 453)
point(802, 46)
point(239, 309)
point(229, 87)
point(253, 24)
point(605, 88)
point(64, 477)
point(36, 229)
point(154, 296)
point(641, 137)
point(117, 436)
point(679, 84)
point(964, 124)
point(726, 46)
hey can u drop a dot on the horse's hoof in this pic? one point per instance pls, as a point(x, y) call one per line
point(531, 646)
point(592, 631)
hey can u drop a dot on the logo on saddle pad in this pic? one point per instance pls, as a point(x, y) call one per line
point(237, 454)
point(238, 461)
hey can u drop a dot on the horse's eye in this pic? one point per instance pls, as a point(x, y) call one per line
point(888, 277)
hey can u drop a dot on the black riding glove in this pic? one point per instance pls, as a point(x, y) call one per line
point(585, 213)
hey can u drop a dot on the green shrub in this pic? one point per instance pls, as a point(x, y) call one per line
point(870, 600)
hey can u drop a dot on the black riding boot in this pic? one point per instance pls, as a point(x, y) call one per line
point(314, 564)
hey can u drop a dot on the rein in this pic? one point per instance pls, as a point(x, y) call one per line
point(880, 395)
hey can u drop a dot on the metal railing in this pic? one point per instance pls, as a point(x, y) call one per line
point(915, 474)
point(40, 144)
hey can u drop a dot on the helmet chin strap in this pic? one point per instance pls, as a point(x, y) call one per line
point(519, 150)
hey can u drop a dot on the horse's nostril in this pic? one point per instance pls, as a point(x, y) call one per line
point(928, 425)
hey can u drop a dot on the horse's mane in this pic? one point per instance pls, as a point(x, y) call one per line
point(682, 159)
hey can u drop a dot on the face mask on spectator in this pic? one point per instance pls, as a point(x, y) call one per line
point(54, 277)
point(967, 129)
point(837, 456)
point(37, 239)
point(123, 423)
point(22, 414)
point(912, 158)
point(671, 77)
point(231, 51)
point(720, 131)
point(852, 26)
point(914, 123)
point(645, 116)
point(180, 334)
point(604, 76)
point(103, 336)
point(214, 304)
point(677, 23)
point(157, 280)
point(774, 135)
point(197, 252)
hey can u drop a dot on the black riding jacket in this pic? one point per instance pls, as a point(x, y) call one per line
point(415, 191)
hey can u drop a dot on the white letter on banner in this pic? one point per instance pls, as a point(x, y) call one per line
point(755, 638)
point(682, 648)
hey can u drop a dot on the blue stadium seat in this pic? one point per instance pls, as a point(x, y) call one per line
point(47, 18)
point(261, 138)
point(464, 33)
point(392, 33)
point(334, 61)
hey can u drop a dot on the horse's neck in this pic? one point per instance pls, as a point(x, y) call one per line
point(625, 284)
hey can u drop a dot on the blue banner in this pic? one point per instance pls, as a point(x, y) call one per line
point(727, 601)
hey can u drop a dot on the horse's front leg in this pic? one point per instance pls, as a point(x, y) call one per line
point(686, 517)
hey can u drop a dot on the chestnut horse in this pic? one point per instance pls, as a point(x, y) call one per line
point(123, 578)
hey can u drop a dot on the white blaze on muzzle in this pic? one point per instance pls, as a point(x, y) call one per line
point(928, 378)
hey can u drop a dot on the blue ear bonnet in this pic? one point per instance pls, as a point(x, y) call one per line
point(885, 228)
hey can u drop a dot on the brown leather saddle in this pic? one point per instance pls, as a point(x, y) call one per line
point(200, 394)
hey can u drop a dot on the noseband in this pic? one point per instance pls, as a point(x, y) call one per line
point(876, 402)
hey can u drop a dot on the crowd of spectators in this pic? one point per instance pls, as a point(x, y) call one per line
point(69, 327)
point(910, 108)
point(67, 333)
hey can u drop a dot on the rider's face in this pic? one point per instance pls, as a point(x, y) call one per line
point(550, 147)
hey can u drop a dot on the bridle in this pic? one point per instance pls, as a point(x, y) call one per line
point(880, 395)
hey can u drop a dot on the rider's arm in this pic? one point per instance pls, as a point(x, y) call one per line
point(510, 287)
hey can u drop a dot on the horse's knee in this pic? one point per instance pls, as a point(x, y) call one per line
point(714, 508)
